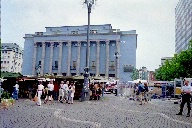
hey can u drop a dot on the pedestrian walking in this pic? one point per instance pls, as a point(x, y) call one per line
point(61, 94)
point(16, 90)
point(186, 90)
point(66, 91)
point(1, 92)
point(56, 90)
point(146, 91)
point(141, 90)
point(39, 92)
point(50, 87)
point(71, 93)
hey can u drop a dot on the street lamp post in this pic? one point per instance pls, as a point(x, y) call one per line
point(117, 55)
point(85, 91)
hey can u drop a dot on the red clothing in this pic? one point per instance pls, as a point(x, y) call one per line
point(56, 87)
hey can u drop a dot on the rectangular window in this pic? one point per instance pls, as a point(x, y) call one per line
point(39, 63)
point(74, 32)
point(93, 31)
point(74, 64)
point(93, 44)
point(112, 66)
point(56, 64)
point(113, 44)
point(7, 61)
point(102, 44)
point(93, 67)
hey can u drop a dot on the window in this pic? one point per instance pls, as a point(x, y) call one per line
point(93, 31)
point(93, 67)
point(74, 64)
point(8, 62)
point(113, 44)
point(4, 62)
point(56, 64)
point(93, 44)
point(112, 66)
point(74, 32)
point(39, 63)
point(102, 44)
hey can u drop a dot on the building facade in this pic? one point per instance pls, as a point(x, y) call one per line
point(163, 60)
point(143, 73)
point(11, 57)
point(151, 76)
point(183, 25)
point(62, 51)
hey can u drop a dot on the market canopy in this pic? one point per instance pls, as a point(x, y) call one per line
point(11, 75)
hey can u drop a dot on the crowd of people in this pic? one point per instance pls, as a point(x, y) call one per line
point(141, 92)
point(65, 92)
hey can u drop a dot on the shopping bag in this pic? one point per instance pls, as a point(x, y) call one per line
point(35, 99)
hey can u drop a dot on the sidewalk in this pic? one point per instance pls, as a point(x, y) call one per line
point(111, 112)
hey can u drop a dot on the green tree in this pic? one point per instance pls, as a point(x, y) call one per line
point(179, 66)
point(135, 74)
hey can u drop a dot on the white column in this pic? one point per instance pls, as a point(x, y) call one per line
point(97, 58)
point(42, 59)
point(34, 59)
point(78, 57)
point(51, 57)
point(60, 57)
point(118, 50)
point(69, 58)
point(107, 59)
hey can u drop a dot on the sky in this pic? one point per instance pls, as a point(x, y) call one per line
point(153, 20)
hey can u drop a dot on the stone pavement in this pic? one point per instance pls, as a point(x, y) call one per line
point(111, 112)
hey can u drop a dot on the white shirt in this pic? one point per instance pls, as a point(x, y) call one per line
point(40, 87)
point(50, 87)
point(187, 88)
point(17, 87)
point(65, 87)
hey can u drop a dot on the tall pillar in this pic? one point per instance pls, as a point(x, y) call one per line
point(69, 58)
point(118, 50)
point(97, 58)
point(88, 54)
point(78, 57)
point(107, 59)
point(60, 57)
point(51, 57)
point(34, 59)
point(42, 59)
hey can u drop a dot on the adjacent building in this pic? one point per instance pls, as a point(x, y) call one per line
point(11, 57)
point(143, 73)
point(163, 60)
point(62, 51)
point(183, 25)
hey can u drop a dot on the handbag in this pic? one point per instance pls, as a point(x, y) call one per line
point(35, 99)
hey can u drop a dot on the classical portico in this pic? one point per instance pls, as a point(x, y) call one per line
point(51, 45)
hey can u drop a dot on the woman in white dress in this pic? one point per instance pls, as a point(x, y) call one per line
point(71, 93)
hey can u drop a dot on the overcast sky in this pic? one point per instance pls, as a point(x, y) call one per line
point(153, 20)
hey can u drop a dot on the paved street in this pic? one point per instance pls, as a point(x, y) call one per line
point(111, 112)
